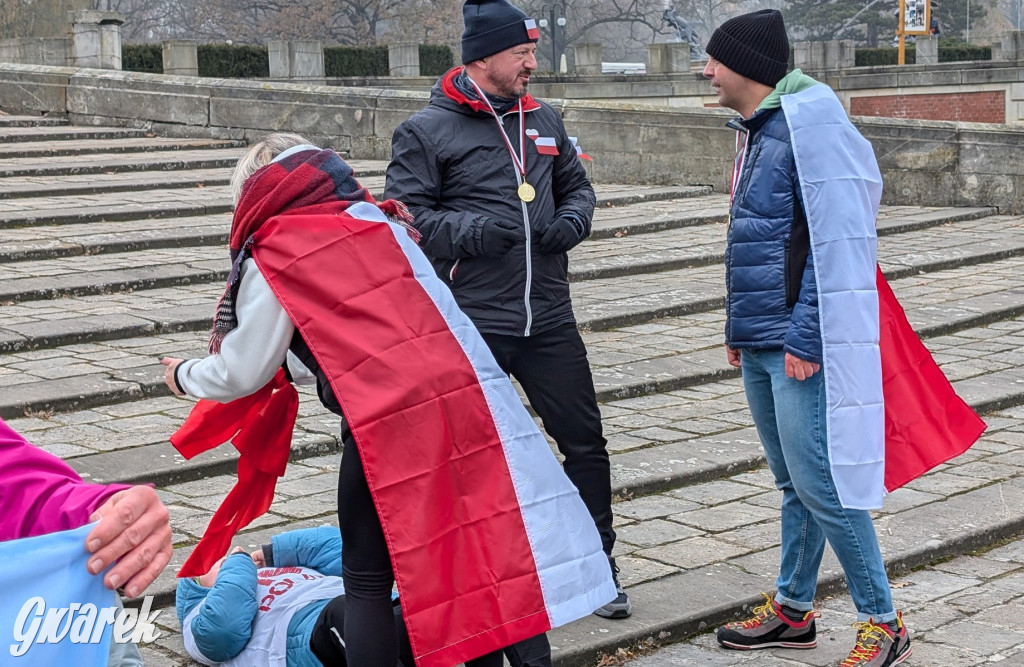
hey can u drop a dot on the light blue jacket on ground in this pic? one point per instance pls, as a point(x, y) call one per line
point(224, 626)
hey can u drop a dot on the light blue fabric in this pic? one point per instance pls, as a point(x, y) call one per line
point(317, 548)
point(840, 186)
point(790, 419)
point(51, 570)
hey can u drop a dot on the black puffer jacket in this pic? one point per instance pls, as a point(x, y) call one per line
point(452, 168)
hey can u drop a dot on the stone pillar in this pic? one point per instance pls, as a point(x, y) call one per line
point(927, 48)
point(668, 57)
point(96, 38)
point(840, 54)
point(1010, 47)
point(307, 59)
point(301, 59)
point(812, 56)
point(588, 58)
point(404, 59)
point(802, 55)
point(280, 62)
point(816, 55)
point(181, 57)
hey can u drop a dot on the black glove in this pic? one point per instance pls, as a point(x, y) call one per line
point(561, 235)
point(498, 237)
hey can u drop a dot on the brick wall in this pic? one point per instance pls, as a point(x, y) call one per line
point(982, 107)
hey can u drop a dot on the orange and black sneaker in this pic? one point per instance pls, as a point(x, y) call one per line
point(879, 645)
point(769, 627)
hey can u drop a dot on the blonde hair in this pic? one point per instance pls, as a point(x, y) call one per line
point(260, 154)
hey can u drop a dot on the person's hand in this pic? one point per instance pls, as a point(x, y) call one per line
point(134, 529)
point(170, 365)
point(259, 558)
point(499, 236)
point(733, 356)
point(798, 369)
point(561, 235)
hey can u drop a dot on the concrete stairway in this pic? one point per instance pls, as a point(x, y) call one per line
point(112, 252)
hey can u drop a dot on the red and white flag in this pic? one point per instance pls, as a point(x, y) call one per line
point(545, 145)
point(579, 150)
point(531, 29)
point(891, 413)
point(489, 540)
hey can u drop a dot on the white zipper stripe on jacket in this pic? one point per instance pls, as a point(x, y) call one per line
point(526, 226)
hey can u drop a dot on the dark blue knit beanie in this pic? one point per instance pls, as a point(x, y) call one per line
point(491, 27)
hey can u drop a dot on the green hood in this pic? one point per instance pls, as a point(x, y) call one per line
point(794, 82)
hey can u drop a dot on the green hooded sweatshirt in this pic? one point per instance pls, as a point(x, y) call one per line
point(794, 82)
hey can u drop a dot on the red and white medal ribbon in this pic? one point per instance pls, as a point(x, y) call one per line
point(526, 191)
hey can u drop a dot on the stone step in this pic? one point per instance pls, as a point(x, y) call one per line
point(711, 542)
point(40, 242)
point(964, 239)
point(623, 224)
point(92, 183)
point(35, 134)
point(91, 146)
point(9, 120)
point(55, 241)
point(116, 272)
point(111, 206)
point(171, 160)
point(111, 163)
point(722, 562)
point(20, 187)
point(601, 303)
point(963, 324)
point(612, 194)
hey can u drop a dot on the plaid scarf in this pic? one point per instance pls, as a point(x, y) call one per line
point(306, 182)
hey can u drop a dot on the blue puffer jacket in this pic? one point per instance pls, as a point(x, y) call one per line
point(224, 627)
point(772, 295)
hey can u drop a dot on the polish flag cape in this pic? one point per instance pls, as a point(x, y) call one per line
point(489, 540)
point(891, 415)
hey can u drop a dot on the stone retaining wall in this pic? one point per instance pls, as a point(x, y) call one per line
point(924, 162)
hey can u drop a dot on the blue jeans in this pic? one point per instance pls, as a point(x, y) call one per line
point(790, 419)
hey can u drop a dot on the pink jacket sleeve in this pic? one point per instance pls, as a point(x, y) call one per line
point(39, 493)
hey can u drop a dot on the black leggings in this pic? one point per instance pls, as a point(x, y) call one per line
point(365, 616)
point(366, 568)
point(328, 646)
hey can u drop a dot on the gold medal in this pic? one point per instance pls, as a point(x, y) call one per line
point(526, 192)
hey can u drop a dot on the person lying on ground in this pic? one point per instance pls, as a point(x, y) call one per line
point(283, 605)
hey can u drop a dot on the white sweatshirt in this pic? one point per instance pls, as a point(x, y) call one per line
point(249, 354)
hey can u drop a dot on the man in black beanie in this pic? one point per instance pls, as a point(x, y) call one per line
point(800, 276)
point(500, 196)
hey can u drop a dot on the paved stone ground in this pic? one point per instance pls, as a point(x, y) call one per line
point(111, 253)
point(964, 611)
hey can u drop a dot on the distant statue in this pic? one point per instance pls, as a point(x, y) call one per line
point(686, 32)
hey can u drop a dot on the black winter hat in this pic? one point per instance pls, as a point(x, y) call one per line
point(493, 26)
point(753, 45)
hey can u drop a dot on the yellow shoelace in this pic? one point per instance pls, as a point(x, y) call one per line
point(869, 638)
point(761, 614)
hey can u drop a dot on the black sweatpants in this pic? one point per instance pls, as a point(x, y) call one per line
point(553, 370)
